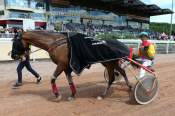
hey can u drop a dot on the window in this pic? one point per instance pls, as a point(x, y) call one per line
point(37, 4)
point(19, 15)
point(37, 16)
point(1, 12)
point(75, 13)
point(18, 3)
point(134, 25)
point(121, 20)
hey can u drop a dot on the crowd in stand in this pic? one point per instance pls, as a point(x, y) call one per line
point(161, 36)
point(93, 29)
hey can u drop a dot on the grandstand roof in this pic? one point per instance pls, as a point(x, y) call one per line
point(134, 7)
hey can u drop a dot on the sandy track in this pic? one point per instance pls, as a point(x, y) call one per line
point(35, 100)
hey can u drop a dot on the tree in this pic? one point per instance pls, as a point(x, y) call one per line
point(161, 27)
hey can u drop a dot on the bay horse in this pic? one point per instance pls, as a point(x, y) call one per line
point(57, 46)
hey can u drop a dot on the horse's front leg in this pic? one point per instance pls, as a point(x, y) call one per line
point(55, 88)
point(71, 84)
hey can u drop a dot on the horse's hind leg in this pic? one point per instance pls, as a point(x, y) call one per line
point(110, 69)
point(71, 83)
point(55, 89)
point(123, 73)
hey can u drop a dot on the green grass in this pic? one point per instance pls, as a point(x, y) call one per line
point(108, 36)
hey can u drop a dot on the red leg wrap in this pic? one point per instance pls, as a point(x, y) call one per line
point(54, 89)
point(73, 88)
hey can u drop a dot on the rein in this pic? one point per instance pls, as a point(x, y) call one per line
point(50, 49)
point(35, 51)
point(55, 45)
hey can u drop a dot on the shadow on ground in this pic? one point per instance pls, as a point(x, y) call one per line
point(118, 93)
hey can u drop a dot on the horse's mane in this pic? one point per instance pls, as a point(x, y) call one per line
point(50, 33)
point(45, 34)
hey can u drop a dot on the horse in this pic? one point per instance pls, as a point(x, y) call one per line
point(56, 45)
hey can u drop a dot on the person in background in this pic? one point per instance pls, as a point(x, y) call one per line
point(24, 62)
point(146, 53)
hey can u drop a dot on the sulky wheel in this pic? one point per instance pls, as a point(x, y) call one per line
point(146, 89)
point(117, 75)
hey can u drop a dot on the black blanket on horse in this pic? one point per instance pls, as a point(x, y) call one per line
point(86, 51)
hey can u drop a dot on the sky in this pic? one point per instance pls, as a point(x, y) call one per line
point(162, 4)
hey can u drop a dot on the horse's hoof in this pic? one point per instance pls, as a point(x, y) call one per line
point(100, 98)
point(130, 87)
point(57, 98)
point(71, 98)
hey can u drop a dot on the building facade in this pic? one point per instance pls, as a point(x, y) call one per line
point(26, 14)
point(77, 14)
point(33, 14)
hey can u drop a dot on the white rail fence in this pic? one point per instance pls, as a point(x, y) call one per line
point(163, 47)
point(6, 46)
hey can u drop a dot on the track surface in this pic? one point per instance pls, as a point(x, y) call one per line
point(36, 100)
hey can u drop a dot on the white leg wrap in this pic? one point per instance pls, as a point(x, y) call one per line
point(53, 77)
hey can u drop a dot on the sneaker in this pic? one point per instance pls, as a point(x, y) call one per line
point(17, 85)
point(38, 80)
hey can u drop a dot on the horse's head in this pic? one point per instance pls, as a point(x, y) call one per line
point(19, 46)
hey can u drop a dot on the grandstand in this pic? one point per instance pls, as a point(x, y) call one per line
point(129, 13)
point(106, 16)
point(84, 16)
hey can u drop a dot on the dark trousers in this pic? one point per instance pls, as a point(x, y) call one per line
point(26, 64)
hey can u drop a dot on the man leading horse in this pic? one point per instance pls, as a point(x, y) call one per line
point(58, 48)
point(23, 57)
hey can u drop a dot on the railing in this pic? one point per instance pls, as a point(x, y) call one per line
point(163, 47)
point(4, 36)
point(6, 46)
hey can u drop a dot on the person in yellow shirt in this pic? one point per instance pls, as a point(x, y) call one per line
point(146, 53)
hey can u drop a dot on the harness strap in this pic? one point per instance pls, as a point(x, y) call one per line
point(56, 44)
point(131, 53)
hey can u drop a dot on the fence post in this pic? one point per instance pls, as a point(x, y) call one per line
point(34, 59)
point(138, 45)
point(167, 47)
